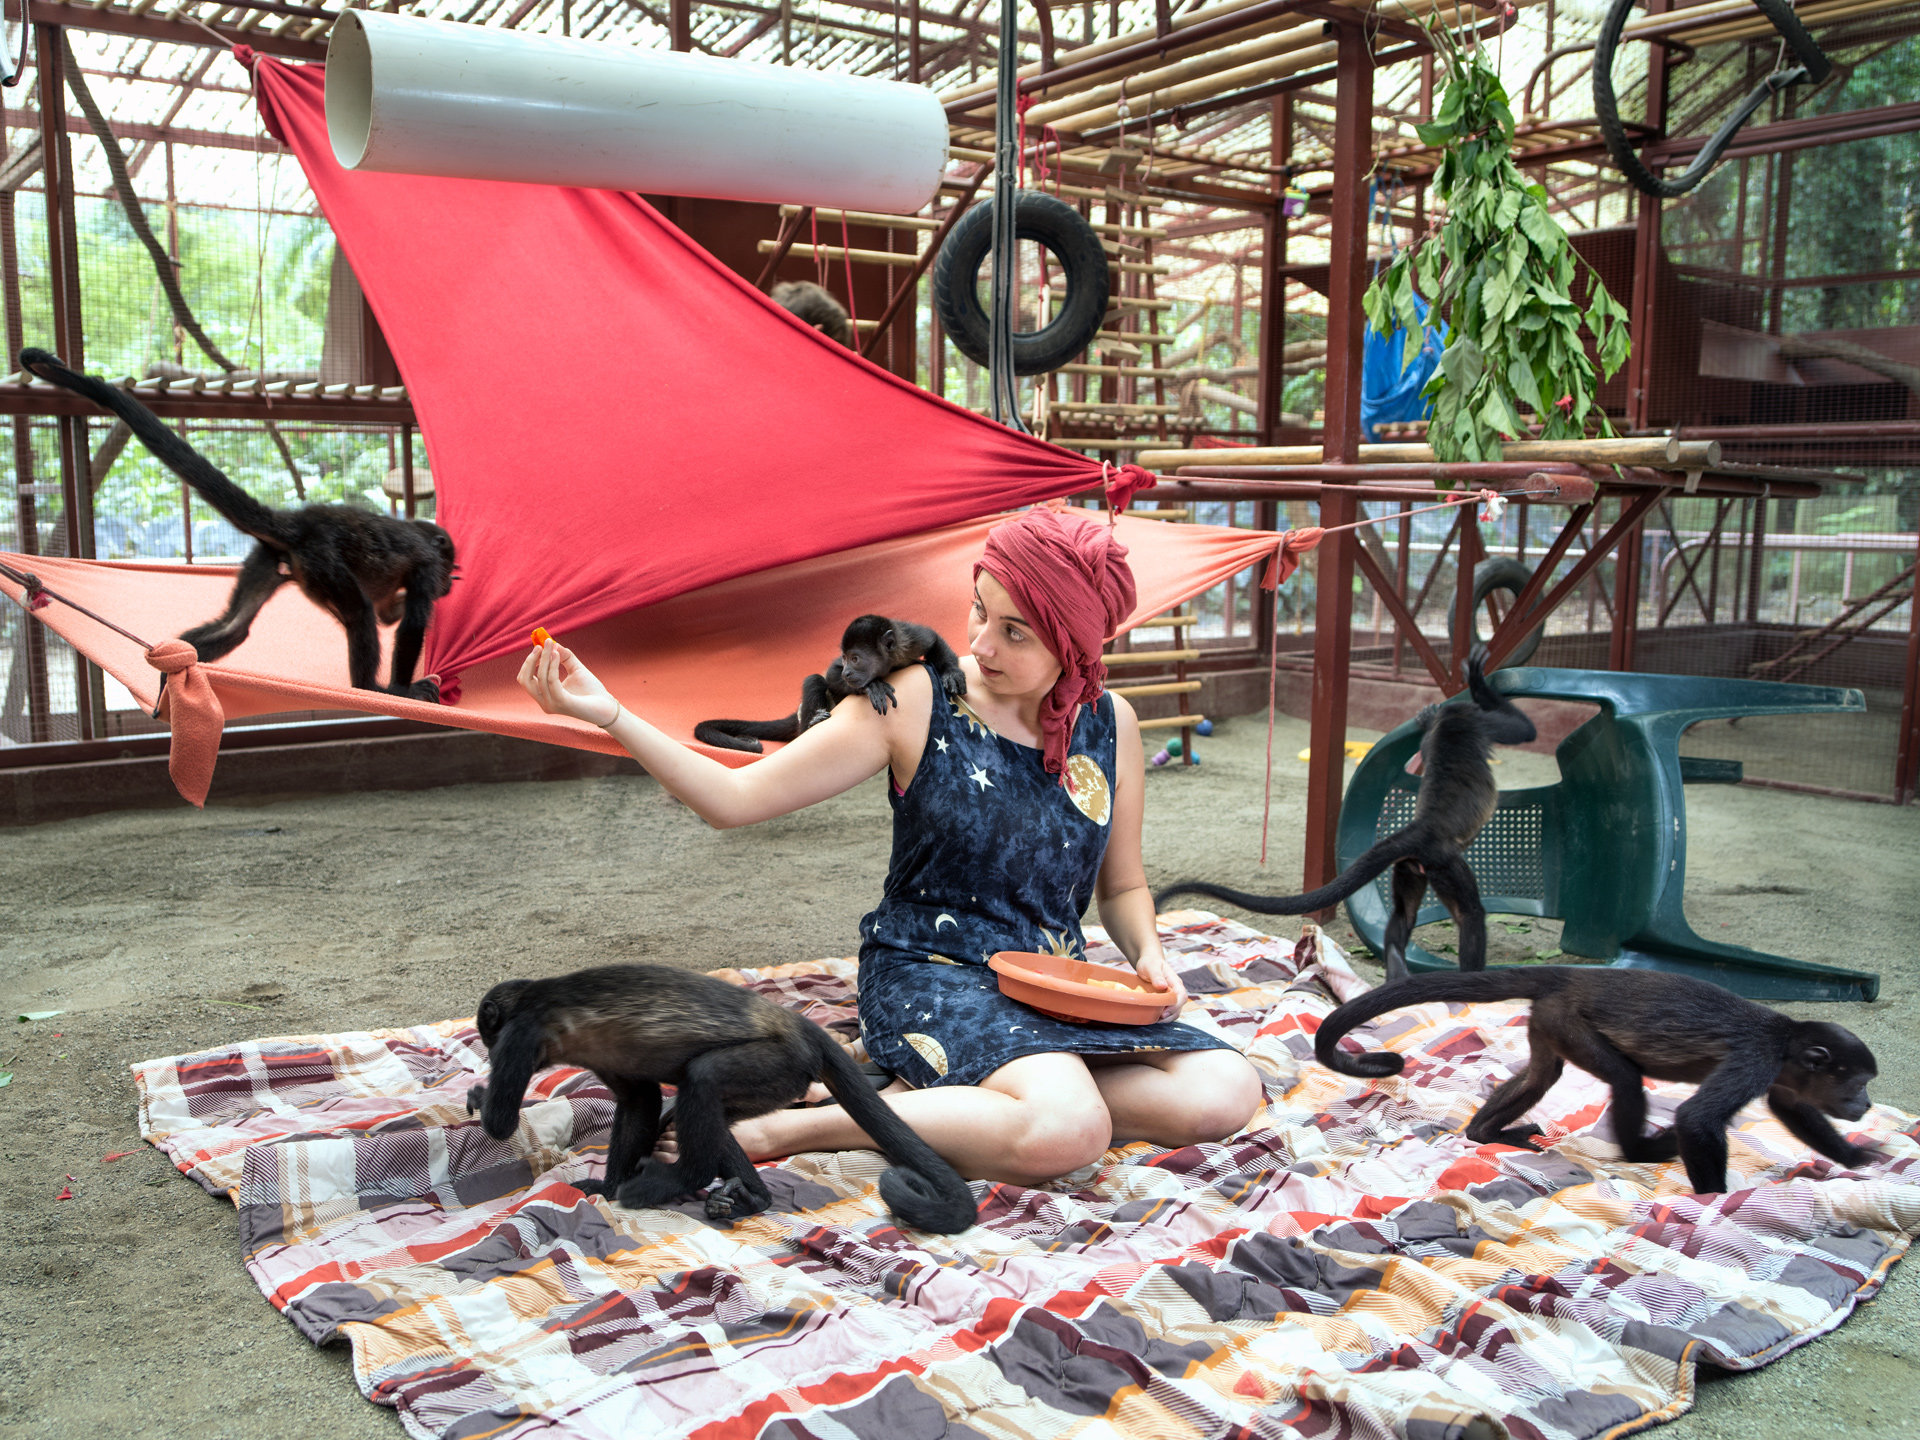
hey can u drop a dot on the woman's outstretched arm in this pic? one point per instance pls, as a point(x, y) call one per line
point(1121, 894)
point(831, 757)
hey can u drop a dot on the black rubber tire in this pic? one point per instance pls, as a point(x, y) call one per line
point(1814, 67)
point(1072, 243)
point(1498, 572)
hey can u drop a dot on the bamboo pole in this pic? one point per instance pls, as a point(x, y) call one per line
point(1205, 63)
point(1660, 452)
point(987, 85)
point(1149, 657)
point(1167, 687)
point(1207, 87)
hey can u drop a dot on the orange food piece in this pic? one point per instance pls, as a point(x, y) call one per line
point(540, 635)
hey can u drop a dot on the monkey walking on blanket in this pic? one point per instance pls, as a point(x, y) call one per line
point(872, 648)
point(1457, 798)
point(1622, 1025)
point(731, 1054)
point(362, 567)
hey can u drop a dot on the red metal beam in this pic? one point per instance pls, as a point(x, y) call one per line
point(109, 21)
point(1403, 619)
point(1798, 134)
point(1333, 587)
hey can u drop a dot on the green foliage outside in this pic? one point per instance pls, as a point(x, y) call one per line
point(258, 284)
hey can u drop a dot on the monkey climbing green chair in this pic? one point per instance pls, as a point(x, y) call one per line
point(1605, 850)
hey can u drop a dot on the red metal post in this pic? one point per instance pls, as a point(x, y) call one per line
point(1626, 597)
point(1333, 591)
point(1646, 250)
point(1473, 550)
point(1906, 768)
point(63, 275)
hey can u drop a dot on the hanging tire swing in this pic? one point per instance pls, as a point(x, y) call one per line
point(1075, 247)
point(1498, 572)
point(1814, 67)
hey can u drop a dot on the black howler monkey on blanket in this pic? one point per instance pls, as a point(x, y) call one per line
point(731, 1054)
point(1623, 1025)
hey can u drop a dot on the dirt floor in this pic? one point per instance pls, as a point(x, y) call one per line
point(125, 1311)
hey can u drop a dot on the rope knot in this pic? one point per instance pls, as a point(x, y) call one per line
point(36, 593)
point(170, 657)
point(1122, 482)
point(193, 712)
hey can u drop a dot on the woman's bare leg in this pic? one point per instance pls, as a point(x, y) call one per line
point(1033, 1119)
point(1176, 1098)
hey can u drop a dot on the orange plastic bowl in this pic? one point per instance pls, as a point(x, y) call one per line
point(1061, 987)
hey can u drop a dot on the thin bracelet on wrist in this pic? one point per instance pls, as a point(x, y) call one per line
point(617, 712)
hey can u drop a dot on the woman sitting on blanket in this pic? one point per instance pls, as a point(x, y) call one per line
point(1012, 807)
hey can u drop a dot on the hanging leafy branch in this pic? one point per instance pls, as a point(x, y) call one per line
point(1499, 274)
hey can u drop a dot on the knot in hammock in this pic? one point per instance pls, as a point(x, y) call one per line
point(170, 657)
point(449, 687)
point(36, 593)
point(246, 55)
point(1122, 482)
point(192, 711)
point(1071, 580)
point(1286, 555)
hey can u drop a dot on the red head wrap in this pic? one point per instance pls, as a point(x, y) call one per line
point(1070, 578)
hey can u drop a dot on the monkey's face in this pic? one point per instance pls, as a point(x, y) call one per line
point(496, 1008)
point(1832, 1076)
point(861, 665)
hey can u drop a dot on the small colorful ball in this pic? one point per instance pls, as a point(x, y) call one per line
point(1161, 758)
point(1174, 747)
point(1205, 727)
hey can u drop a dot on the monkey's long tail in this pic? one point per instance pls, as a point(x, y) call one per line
point(246, 513)
point(1509, 982)
point(922, 1189)
point(745, 734)
point(1369, 866)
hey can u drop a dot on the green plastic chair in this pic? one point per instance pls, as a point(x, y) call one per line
point(1605, 850)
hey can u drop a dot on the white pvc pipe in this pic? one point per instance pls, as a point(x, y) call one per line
point(430, 97)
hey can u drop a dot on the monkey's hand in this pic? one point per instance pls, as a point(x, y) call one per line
point(591, 1187)
point(1477, 658)
point(881, 694)
point(954, 682)
point(476, 1099)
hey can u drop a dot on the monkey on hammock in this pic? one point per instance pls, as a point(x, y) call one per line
point(1623, 1025)
point(730, 1053)
point(364, 568)
point(1457, 798)
point(817, 307)
point(872, 648)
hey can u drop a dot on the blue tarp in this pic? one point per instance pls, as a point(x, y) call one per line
point(1388, 393)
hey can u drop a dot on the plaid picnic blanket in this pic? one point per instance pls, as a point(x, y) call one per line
point(1349, 1266)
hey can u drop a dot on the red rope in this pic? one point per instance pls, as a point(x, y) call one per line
point(846, 253)
point(37, 595)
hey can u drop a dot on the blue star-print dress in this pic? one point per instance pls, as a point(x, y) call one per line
point(990, 853)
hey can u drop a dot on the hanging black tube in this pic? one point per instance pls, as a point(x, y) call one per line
point(1814, 67)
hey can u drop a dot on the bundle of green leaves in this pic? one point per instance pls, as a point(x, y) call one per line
point(1499, 274)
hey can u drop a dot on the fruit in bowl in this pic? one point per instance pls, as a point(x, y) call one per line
point(1070, 989)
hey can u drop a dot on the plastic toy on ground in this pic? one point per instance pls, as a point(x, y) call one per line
point(1605, 850)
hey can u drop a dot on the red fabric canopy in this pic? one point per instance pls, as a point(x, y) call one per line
point(612, 415)
point(631, 447)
